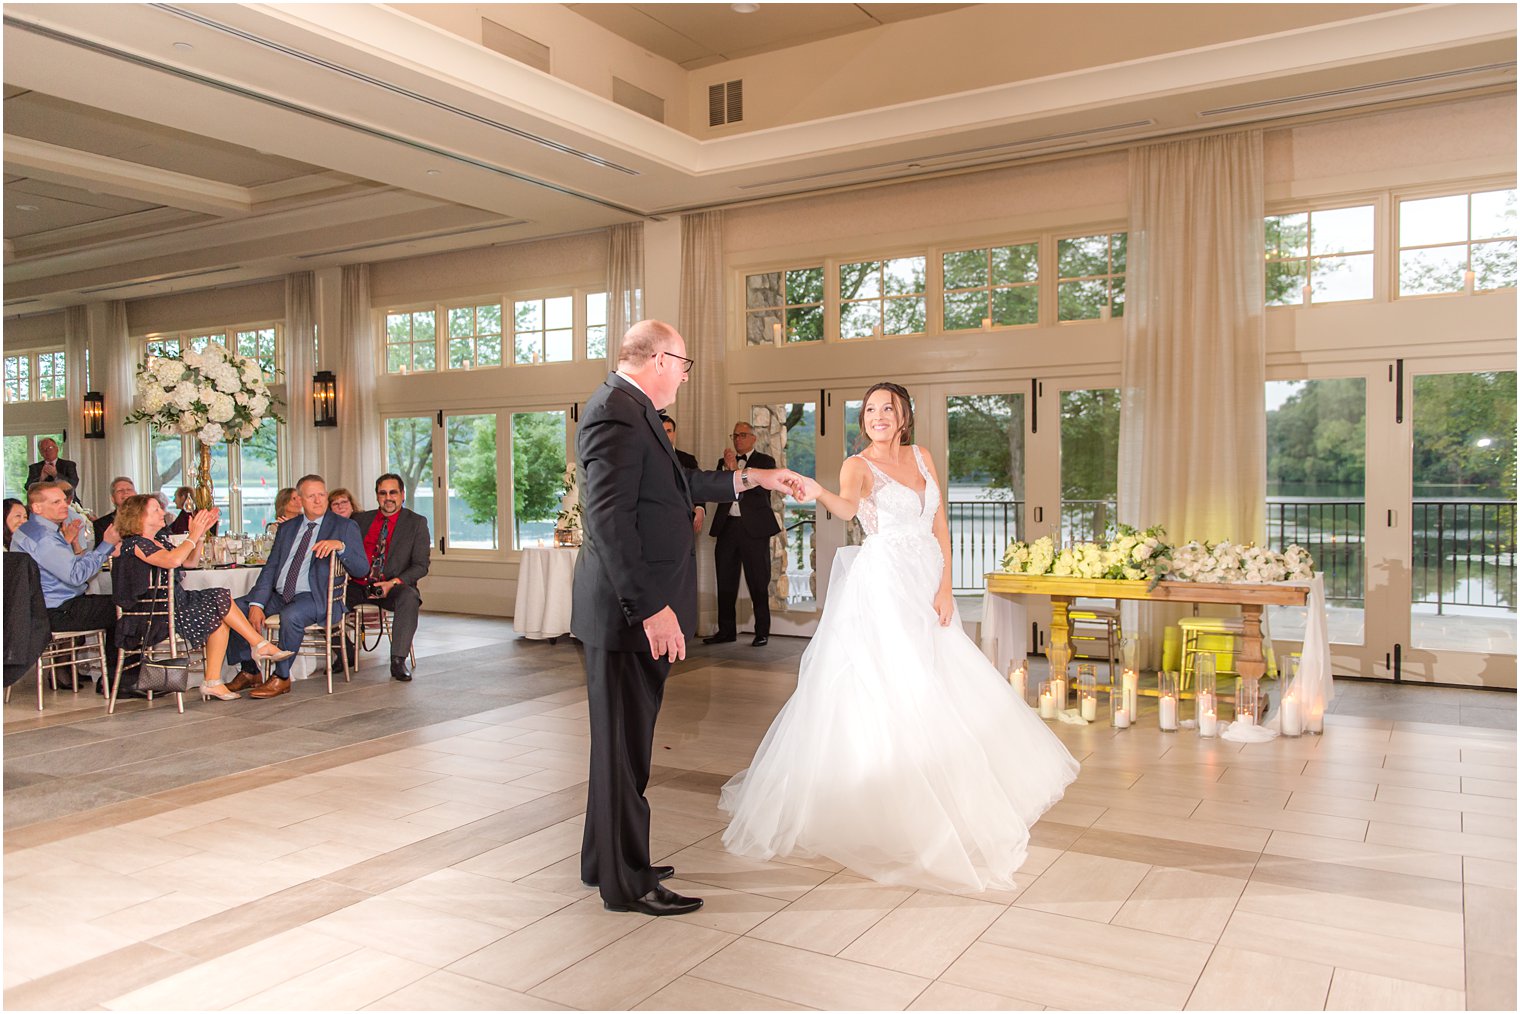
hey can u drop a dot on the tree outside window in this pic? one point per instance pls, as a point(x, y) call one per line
point(411, 341)
point(51, 376)
point(18, 378)
point(784, 307)
point(474, 336)
point(1090, 276)
point(596, 325)
point(1329, 251)
point(544, 330)
point(992, 287)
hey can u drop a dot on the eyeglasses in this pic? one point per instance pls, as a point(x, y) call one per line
point(736, 436)
point(689, 362)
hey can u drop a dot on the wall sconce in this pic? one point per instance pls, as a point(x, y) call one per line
point(324, 399)
point(94, 416)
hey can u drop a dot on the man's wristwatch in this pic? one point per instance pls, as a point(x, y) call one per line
point(745, 480)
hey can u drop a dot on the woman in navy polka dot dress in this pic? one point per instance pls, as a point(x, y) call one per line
point(202, 616)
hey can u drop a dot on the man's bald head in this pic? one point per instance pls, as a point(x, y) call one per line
point(644, 340)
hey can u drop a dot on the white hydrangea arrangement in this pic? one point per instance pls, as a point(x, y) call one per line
point(213, 395)
point(1135, 555)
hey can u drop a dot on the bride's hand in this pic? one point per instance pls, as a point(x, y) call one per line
point(810, 489)
point(944, 606)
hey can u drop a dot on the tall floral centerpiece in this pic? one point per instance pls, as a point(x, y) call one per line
point(567, 527)
point(214, 395)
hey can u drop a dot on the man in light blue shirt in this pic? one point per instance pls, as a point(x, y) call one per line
point(65, 576)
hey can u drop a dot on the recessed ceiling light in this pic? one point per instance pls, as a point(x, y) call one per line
point(434, 172)
point(744, 8)
point(26, 207)
point(183, 45)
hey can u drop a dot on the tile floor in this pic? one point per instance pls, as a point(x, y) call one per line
point(398, 847)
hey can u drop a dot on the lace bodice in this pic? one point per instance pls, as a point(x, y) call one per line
point(892, 508)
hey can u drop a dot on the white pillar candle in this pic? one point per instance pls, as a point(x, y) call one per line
point(1168, 713)
point(1208, 723)
point(776, 333)
point(1090, 708)
point(1019, 680)
point(1292, 719)
point(1246, 718)
point(1316, 720)
point(1047, 705)
point(1121, 719)
point(1131, 692)
point(1058, 691)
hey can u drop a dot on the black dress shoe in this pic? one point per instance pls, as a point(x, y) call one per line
point(660, 872)
point(399, 669)
point(658, 902)
point(760, 641)
point(720, 638)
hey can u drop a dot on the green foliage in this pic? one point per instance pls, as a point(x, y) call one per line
point(1318, 437)
point(987, 443)
point(538, 464)
point(1090, 444)
point(16, 455)
point(472, 464)
point(1464, 433)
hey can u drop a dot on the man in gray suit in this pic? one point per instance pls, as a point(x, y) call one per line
point(52, 468)
point(400, 551)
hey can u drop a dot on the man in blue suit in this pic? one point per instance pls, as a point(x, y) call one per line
point(295, 581)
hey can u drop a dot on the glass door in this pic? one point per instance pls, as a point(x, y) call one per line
point(787, 428)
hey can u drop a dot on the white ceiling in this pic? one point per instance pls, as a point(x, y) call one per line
point(165, 147)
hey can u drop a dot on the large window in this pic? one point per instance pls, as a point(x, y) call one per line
point(20, 451)
point(244, 477)
point(411, 341)
point(596, 325)
point(1456, 243)
point(474, 336)
point(1089, 463)
point(409, 453)
point(538, 470)
point(992, 287)
point(882, 297)
point(1090, 276)
point(470, 478)
point(784, 306)
point(259, 342)
point(1319, 256)
point(544, 330)
point(35, 376)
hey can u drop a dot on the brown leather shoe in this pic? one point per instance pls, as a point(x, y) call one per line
point(273, 687)
point(245, 680)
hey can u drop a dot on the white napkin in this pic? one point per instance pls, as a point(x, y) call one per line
point(1239, 732)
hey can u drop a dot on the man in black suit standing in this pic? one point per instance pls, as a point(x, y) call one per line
point(688, 461)
point(744, 531)
point(52, 468)
point(400, 550)
point(636, 600)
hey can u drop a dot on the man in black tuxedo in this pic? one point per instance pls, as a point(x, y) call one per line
point(688, 461)
point(52, 468)
point(636, 600)
point(744, 531)
point(400, 550)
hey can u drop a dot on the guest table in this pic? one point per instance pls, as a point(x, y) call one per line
point(238, 580)
point(545, 586)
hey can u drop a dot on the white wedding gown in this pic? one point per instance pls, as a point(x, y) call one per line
point(903, 754)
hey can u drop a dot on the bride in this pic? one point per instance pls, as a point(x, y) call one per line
point(903, 754)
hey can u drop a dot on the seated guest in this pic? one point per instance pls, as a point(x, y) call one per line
point(399, 549)
point(294, 583)
point(184, 499)
point(687, 460)
point(341, 502)
point(74, 525)
point(52, 468)
point(15, 517)
point(121, 488)
point(65, 574)
point(286, 506)
point(202, 616)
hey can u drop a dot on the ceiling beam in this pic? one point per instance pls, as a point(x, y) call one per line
point(103, 174)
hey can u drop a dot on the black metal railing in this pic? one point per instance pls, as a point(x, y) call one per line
point(1464, 553)
point(1334, 533)
point(980, 531)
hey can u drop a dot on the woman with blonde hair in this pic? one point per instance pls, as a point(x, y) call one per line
point(202, 616)
point(342, 503)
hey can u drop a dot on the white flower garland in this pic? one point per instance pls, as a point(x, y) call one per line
point(1144, 556)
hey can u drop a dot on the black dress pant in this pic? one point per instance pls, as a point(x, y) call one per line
point(624, 690)
point(94, 612)
point(404, 604)
point(734, 552)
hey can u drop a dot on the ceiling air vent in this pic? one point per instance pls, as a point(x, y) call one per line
point(515, 45)
point(631, 96)
point(725, 103)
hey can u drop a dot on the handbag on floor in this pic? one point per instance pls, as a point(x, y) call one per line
point(165, 675)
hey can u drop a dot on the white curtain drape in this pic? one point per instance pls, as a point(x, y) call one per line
point(300, 364)
point(89, 455)
point(699, 403)
point(113, 362)
point(359, 440)
point(1192, 437)
point(625, 284)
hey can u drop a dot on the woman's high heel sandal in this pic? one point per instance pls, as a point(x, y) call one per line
point(219, 690)
point(273, 655)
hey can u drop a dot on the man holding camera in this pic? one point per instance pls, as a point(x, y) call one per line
point(399, 548)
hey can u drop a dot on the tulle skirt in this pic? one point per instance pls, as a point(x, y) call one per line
point(903, 754)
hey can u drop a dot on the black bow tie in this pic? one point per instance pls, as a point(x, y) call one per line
point(743, 457)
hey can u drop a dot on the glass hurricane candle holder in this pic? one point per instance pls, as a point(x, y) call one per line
point(1247, 702)
point(1168, 701)
point(1018, 678)
point(1206, 696)
point(1047, 700)
point(1125, 696)
point(1087, 691)
point(1290, 711)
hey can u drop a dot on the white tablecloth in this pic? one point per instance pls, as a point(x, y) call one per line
point(239, 580)
point(545, 585)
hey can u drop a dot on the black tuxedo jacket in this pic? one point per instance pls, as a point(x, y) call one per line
point(67, 471)
point(638, 554)
point(410, 552)
point(756, 519)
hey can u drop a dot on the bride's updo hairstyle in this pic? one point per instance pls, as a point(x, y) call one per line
point(904, 406)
